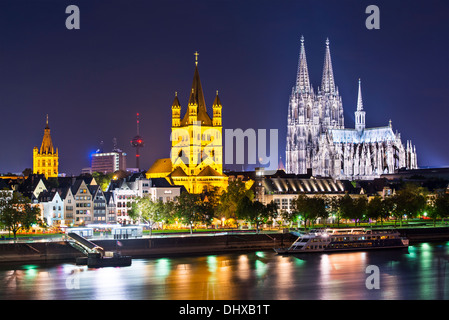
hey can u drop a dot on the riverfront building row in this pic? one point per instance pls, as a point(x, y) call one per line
point(75, 201)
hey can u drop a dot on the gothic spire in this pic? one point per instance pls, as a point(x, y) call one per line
point(47, 144)
point(176, 103)
point(217, 101)
point(327, 82)
point(360, 113)
point(197, 98)
point(302, 77)
point(359, 98)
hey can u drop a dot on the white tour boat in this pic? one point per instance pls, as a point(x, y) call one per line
point(331, 240)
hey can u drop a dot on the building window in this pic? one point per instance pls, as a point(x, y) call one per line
point(284, 203)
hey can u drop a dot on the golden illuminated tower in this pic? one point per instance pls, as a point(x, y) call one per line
point(196, 158)
point(46, 160)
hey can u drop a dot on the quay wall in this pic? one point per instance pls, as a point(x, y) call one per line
point(425, 234)
point(54, 251)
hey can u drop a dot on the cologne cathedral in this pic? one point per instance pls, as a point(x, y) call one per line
point(317, 139)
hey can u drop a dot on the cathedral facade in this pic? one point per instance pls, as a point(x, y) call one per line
point(317, 139)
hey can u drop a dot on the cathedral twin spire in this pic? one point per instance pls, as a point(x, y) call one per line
point(302, 78)
point(318, 141)
point(327, 82)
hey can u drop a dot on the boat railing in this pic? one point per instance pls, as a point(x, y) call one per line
point(346, 231)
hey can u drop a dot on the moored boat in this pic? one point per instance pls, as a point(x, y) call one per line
point(332, 240)
point(110, 259)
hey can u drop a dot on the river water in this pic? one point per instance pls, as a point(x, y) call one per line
point(421, 272)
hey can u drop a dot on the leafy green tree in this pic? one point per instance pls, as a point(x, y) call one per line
point(410, 201)
point(189, 208)
point(309, 208)
point(374, 208)
point(103, 179)
point(379, 208)
point(353, 209)
point(347, 207)
point(317, 206)
point(255, 211)
point(299, 209)
point(140, 209)
point(438, 206)
point(17, 213)
point(333, 205)
point(210, 204)
point(229, 199)
point(168, 214)
point(360, 204)
point(289, 215)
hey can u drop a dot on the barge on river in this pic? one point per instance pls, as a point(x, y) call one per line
point(333, 240)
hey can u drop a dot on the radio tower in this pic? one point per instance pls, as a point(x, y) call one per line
point(137, 142)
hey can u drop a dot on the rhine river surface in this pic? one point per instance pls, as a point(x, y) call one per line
point(419, 273)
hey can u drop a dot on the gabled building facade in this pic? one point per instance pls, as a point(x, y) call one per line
point(99, 204)
point(83, 203)
point(69, 206)
point(52, 208)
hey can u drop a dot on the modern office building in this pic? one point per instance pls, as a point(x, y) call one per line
point(108, 162)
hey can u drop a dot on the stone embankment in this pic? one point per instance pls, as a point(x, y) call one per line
point(55, 251)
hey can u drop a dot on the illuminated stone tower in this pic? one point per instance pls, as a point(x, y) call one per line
point(46, 159)
point(196, 157)
point(318, 142)
point(311, 113)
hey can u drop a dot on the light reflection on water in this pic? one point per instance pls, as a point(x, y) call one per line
point(420, 273)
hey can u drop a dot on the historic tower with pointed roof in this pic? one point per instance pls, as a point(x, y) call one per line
point(196, 157)
point(359, 113)
point(46, 159)
point(311, 113)
point(319, 143)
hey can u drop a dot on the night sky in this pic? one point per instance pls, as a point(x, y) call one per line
point(131, 56)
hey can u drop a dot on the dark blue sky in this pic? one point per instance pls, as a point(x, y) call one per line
point(131, 56)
